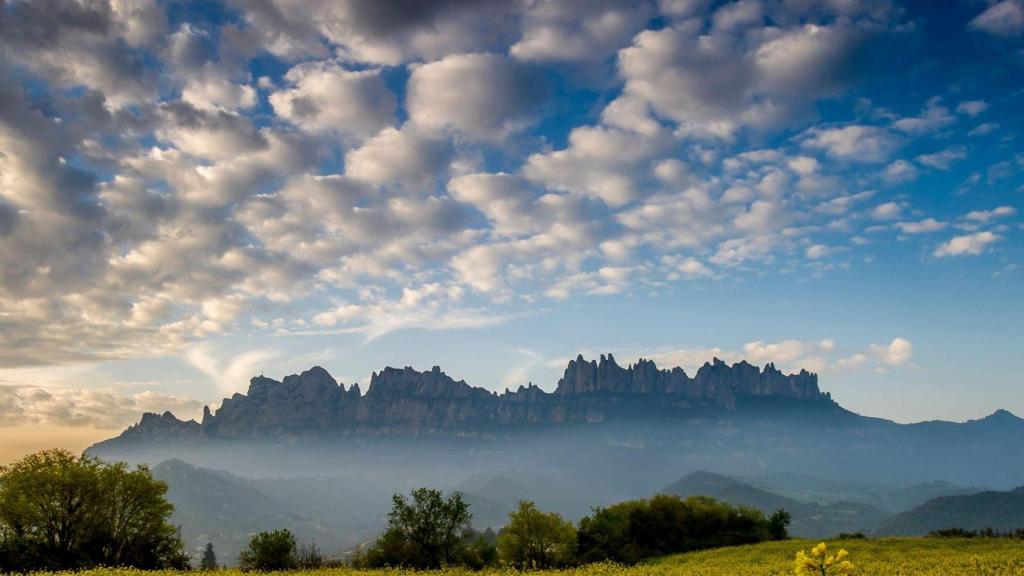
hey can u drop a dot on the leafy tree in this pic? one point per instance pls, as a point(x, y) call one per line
point(59, 511)
point(481, 549)
point(427, 532)
point(536, 540)
point(778, 524)
point(209, 561)
point(268, 551)
point(631, 531)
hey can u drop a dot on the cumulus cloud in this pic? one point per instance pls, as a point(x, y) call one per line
point(856, 143)
point(105, 408)
point(899, 172)
point(921, 227)
point(886, 211)
point(394, 155)
point(896, 353)
point(1004, 18)
point(485, 96)
point(155, 193)
point(942, 160)
point(738, 74)
point(823, 356)
point(966, 245)
point(983, 216)
point(576, 31)
point(325, 97)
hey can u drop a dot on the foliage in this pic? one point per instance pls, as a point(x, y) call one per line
point(536, 540)
point(874, 557)
point(481, 549)
point(209, 561)
point(309, 557)
point(429, 532)
point(268, 551)
point(1017, 533)
point(821, 563)
point(59, 511)
point(631, 531)
point(778, 523)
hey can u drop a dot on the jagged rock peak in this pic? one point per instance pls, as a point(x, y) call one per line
point(405, 400)
point(715, 380)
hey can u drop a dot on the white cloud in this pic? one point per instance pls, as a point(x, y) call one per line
point(967, 245)
point(737, 75)
point(230, 372)
point(921, 227)
point(899, 172)
point(212, 93)
point(984, 216)
point(857, 143)
point(823, 356)
point(324, 97)
point(972, 108)
point(942, 160)
point(887, 211)
point(393, 155)
point(578, 31)
point(485, 96)
point(106, 408)
point(1004, 18)
point(933, 118)
point(896, 353)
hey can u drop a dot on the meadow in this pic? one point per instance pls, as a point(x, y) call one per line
point(881, 557)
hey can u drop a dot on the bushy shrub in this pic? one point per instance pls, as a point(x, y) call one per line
point(535, 540)
point(268, 551)
point(631, 531)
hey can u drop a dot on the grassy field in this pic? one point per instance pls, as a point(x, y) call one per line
point(884, 557)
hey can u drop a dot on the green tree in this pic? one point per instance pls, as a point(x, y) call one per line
point(209, 561)
point(536, 540)
point(268, 551)
point(631, 531)
point(59, 511)
point(778, 524)
point(427, 532)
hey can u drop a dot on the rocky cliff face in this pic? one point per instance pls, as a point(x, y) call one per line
point(412, 402)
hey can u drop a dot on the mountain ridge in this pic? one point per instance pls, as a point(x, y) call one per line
point(409, 401)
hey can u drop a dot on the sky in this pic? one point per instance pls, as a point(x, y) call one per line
point(193, 193)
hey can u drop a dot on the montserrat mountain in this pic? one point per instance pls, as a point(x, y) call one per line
point(407, 401)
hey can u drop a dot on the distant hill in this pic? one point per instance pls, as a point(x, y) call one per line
point(890, 498)
point(809, 519)
point(224, 509)
point(1002, 511)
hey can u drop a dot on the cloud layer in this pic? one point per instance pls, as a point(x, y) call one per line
point(318, 167)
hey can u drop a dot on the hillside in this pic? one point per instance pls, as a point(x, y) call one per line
point(809, 519)
point(888, 497)
point(1002, 511)
point(218, 507)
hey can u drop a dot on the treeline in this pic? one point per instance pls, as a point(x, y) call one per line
point(62, 512)
point(430, 531)
point(1017, 534)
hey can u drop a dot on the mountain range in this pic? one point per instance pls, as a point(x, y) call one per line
point(600, 418)
point(406, 401)
point(323, 458)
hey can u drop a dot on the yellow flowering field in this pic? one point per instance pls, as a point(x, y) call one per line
point(882, 557)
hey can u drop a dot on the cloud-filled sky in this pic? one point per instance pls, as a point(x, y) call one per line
point(193, 192)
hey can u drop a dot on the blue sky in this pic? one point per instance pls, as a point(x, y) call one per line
point(195, 192)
